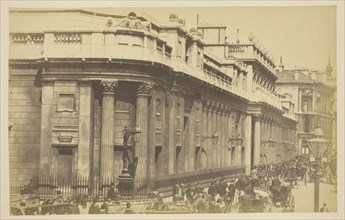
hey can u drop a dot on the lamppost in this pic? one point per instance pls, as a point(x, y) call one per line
point(270, 143)
point(214, 137)
point(317, 146)
point(235, 141)
point(130, 161)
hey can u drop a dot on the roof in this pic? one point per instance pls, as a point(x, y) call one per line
point(211, 26)
point(288, 76)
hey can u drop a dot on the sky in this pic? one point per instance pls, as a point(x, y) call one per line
point(305, 36)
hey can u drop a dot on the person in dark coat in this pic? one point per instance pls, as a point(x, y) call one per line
point(94, 208)
point(231, 192)
point(74, 208)
point(112, 194)
point(198, 189)
point(222, 188)
point(189, 193)
point(60, 209)
point(324, 208)
point(212, 190)
point(129, 210)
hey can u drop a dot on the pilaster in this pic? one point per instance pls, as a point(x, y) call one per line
point(85, 128)
point(46, 128)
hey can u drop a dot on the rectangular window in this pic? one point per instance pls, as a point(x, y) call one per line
point(179, 48)
point(159, 46)
point(150, 43)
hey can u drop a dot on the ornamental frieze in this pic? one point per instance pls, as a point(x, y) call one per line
point(131, 22)
point(216, 106)
point(307, 92)
point(206, 104)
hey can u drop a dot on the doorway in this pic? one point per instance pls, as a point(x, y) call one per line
point(65, 163)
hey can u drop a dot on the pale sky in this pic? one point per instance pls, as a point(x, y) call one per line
point(304, 35)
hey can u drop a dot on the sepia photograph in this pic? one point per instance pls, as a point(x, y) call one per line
point(209, 110)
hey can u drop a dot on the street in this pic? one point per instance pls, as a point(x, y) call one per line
point(304, 197)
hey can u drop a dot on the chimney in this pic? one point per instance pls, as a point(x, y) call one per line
point(313, 75)
point(296, 75)
point(281, 65)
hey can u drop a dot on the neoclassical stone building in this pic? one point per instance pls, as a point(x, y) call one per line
point(315, 96)
point(78, 78)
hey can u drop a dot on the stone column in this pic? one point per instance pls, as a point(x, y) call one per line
point(107, 128)
point(257, 141)
point(141, 120)
point(268, 146)
point(238, 143)
point(299, 104)
point(151, 135)
point(248, 143)
point(172, 131)
point(220, 133)
point(85, 128)
point(208, 143)
point(204, 133)
point(232, 135)
point(223, 137)
point(46, 128)
point(191, 139)
point(274, 136)
point(214, 129)
point(203, 124)
point(264, 139)
point(228, 135)
point(334, 133)
point(314, 108)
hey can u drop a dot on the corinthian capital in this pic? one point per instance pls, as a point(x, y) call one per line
point(257, 117)
point(108, 86)
point(145, 88)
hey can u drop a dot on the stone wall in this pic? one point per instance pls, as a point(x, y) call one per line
point(24, 108)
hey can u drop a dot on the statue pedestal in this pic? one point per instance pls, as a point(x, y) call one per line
point(126, 184)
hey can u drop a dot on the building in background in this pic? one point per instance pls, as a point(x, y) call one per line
point(314, 95)
point(78, 78)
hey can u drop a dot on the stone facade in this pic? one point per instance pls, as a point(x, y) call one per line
point(314, 96)
point(75, 86)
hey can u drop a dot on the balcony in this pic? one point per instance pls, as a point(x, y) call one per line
point(251, 52)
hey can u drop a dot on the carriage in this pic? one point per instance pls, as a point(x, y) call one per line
point(282, 198)
point(250, 203)
point(24, 205)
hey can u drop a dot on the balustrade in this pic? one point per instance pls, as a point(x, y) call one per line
point(27, 38)
point(67, 38)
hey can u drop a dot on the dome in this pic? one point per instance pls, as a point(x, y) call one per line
point(173, 16)
point(193, 30)
point(132, 14)
point(318, 132)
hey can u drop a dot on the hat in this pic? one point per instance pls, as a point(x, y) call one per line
point(95, 199)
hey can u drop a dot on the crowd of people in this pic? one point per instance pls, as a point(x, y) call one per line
point(221, 195)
